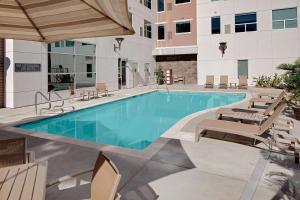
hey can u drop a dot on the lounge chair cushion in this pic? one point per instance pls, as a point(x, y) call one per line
point(229, 127)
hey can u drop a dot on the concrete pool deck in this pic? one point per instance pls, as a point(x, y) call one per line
point(174, 169)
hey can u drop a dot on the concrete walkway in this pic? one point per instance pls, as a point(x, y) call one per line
point(174, 169)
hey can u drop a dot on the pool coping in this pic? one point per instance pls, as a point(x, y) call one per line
point(178, 126)
point(145, 153)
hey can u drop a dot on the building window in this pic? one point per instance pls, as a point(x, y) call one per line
point(57, 44)
point(245, 22)
point(160, 5)
point(215, 25)
point(183, 27)
point(242, 68)
point(89, 70)
point(69, 43)
point(72, 66)
point(161, 32)
point(147, 29)
point(182, 1)
point(147, 3)
point(284, 18)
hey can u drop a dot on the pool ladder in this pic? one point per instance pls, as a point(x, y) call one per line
point(60, 107)
point(157, 86)
point(47, 101)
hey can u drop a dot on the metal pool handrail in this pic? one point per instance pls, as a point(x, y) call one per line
point(45, 97)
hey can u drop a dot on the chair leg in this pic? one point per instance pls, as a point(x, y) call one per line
point(296, 155)
point(198, 135)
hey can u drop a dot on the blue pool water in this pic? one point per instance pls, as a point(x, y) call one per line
point(135, 122)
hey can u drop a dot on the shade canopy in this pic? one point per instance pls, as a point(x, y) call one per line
point(54, 20)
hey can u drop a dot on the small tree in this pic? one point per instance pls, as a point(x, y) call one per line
point(292, 79)
point(159, 75)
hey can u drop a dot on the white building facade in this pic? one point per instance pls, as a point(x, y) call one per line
point(31, 66)
point(260, 35)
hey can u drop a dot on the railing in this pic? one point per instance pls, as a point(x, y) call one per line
point(60, 98)
point(46, 98)
point(59, 107)
point(157, 86)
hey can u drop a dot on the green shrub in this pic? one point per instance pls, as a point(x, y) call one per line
point(275, 81)
point(292, 79)
point(159, 74)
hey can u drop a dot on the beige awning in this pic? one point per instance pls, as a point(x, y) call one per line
point(54, 20)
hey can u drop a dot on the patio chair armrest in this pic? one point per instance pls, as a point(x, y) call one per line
point(30, 156)
point(118, 196)
point(68, 177)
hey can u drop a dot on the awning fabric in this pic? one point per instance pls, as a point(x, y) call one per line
point(54, 20)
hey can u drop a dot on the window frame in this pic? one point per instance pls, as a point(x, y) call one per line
point(146, 32)
point(162, 25)
point(146, 3)
point(239, 70)
point(216, 17)
point(284, 20)
point(75, 55)
point(246, 23)
point(163, 9)
point(189, 1)
point(182, 22)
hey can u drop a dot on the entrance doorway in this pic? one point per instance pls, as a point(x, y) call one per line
point(122, 63)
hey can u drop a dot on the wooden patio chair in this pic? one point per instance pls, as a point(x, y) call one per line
point(13, 152)
point(223, 82)
point(105, 179)
point(209, 81)
point(254, 100)
point(243, 82)
point(101, 88)
point(250, 113)
point(252, 131)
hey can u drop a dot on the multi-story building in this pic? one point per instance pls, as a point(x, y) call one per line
point(182, 35)
point(176, 42)
point(259, 36)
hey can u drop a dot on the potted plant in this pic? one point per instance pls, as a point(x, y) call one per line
point(292, 84)
point(159, 74)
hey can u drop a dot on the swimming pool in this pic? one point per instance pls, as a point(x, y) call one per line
point(134, 122)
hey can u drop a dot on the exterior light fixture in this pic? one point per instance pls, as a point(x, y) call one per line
point(119, 41)
point(223, 47)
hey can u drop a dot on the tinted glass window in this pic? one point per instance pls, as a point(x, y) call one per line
point(183, 27)
point(182, 1)
point(148, 3)
point(147, 29)
point(215, 25)
point(161, 32)
point(160, 5)
point(245, 22)
point(285, 18)
point(71, 65)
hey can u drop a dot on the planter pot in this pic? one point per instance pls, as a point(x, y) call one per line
point(296, 112)
point(160, 82)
